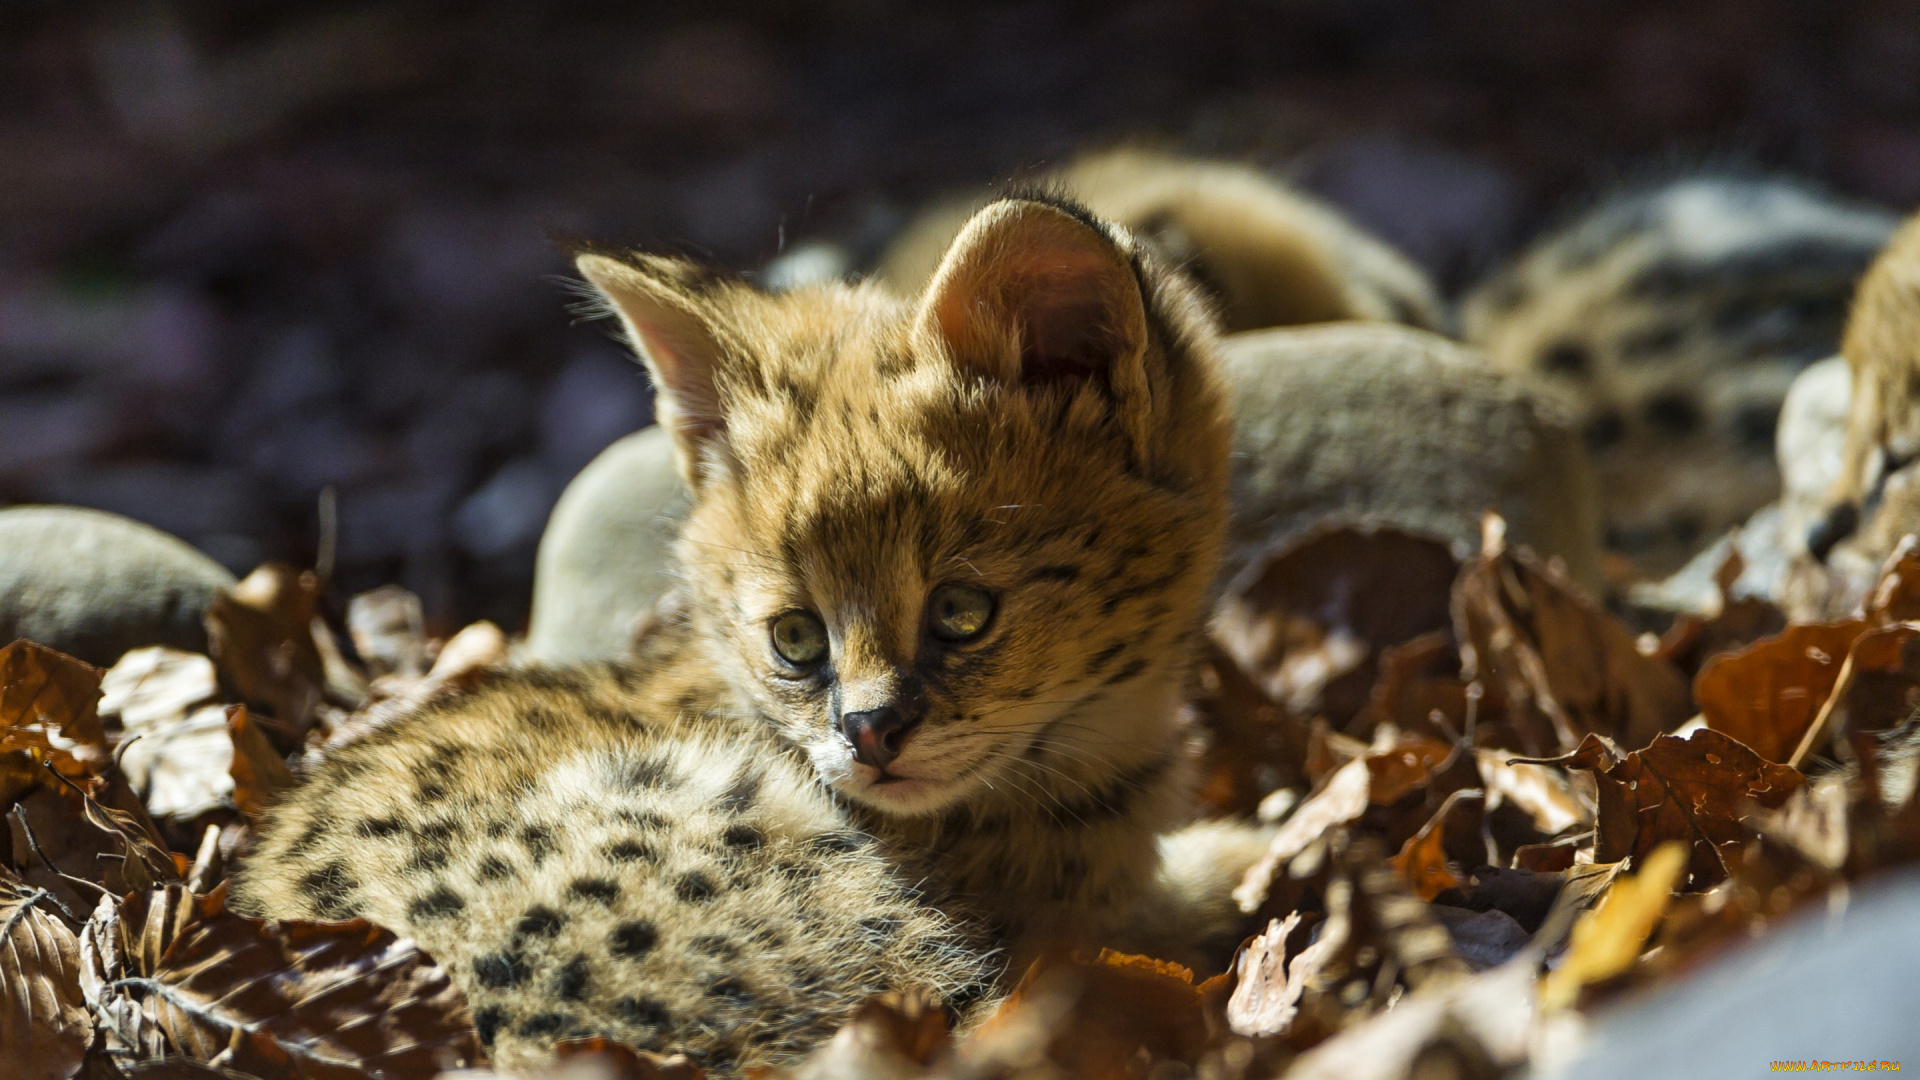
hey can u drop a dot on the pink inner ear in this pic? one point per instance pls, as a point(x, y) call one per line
point(1069, 338)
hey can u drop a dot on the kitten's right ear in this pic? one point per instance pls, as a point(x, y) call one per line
point(670, 334)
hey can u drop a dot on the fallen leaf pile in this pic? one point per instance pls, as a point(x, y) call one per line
point(1490, 808)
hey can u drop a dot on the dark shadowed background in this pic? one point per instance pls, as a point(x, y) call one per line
point(250, 252)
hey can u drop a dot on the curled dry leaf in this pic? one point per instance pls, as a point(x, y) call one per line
point(49, 704)
point(1607, 940)
point(45, 1027)
point(890, 1036)
point(1695, 790)
point(67, 843)
point(125, 940)
point(389, 630)
point(260, 635)
point(1265, 997)
point(1310, 619)
point(259, 774)
point(1877, 688)
point(1541, 792)
point(155, 687)
point(335, 1001)
point(1738, 621)
point(1422, 862)
point(1768, 694)
point(1473, 1027)
point(1896, 598)
point(1563, 666)
point(1103, 1015)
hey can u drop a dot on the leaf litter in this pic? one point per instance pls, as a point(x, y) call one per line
point(1492, 811)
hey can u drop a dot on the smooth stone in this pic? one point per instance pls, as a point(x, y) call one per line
point(1347, 422)
point(94, 584)
point(607, 552)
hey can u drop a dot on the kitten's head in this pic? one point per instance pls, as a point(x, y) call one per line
point(956, 542)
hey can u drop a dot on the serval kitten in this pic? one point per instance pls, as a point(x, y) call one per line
point(943, 577)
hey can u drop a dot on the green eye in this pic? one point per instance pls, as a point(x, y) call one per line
point(800, 638)
point(959, 612)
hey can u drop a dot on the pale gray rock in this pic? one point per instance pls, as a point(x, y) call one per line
point(607, 555)
point(95, 585)
point(1352, 422)
point(1377, 423)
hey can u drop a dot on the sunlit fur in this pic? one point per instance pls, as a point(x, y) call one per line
point(1266, 254)
point(1672, 318)
point(1044, 423)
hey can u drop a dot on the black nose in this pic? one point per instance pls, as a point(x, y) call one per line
point(876, 734)
point(1838, 524)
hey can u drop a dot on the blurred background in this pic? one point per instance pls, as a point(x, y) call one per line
point(254, 252)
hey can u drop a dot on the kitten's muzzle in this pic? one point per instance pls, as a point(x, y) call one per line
point(876, 735)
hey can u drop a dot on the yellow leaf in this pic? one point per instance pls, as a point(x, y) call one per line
point(1607, 940)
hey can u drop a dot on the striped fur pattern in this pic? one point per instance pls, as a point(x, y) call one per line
point(1672, 319)
point(1041, 426)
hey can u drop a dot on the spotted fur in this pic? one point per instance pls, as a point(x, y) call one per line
point(1264, 253)
point(1044, 423)
point(1672, 319)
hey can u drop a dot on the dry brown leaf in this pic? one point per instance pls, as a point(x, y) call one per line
point(45, 1027)
point(260, 635)
point(1696, 791)
point(1106, 1014)
point(1541, 792)
point(1878, 688)
point(61, 830)
point(336, 1001)
point(1768, 694)
point(620, 1062)
point(1310, 619)
point(259, 774)
point(389, 630)
point(1896, 598)
point(1739, 621)
point(889, 1036)
point(1422, 862)
point(1562, 666)
point(155, 687)
point(1253, 746)
point(1607, 940)
point(49, 704)
point(1420, 690)
point(1343, 798)
point(1264, 998)
point(1479, 1026)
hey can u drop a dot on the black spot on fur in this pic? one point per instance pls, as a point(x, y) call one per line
point(731, 989)
point(540, 1025)
point(439, 904)
point(500, 971)
point(308, 838)
point(637, 1010)
point(331, 888)
point(839, 843)
point(379, 828)
point(539, 921)
point(641, 819)
point(631, 939)
point(538, 840)
point(742, 791)
point(714, 945)
point(425, 861)
point(498, 828)
point(652, 773)
point(571, 985)
point(1057, 572)
point(431, 791)
point(439, 832)
point(1567, 358)
point(1131, 669)
point(631, 851)
point(487, 1023)
point(743, 837)
point(694, 888)
point(1605, 429)
point(494, 868)
point(1673, 414)
point(595, 890)
point(1105, 656)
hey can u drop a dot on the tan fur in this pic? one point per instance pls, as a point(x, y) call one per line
point(1044, 423)
point(1882, 347)
point(1267, 254)
point(1672, 320)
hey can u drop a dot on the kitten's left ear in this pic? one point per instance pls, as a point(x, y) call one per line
point(1031, 294)
point(657, 302)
